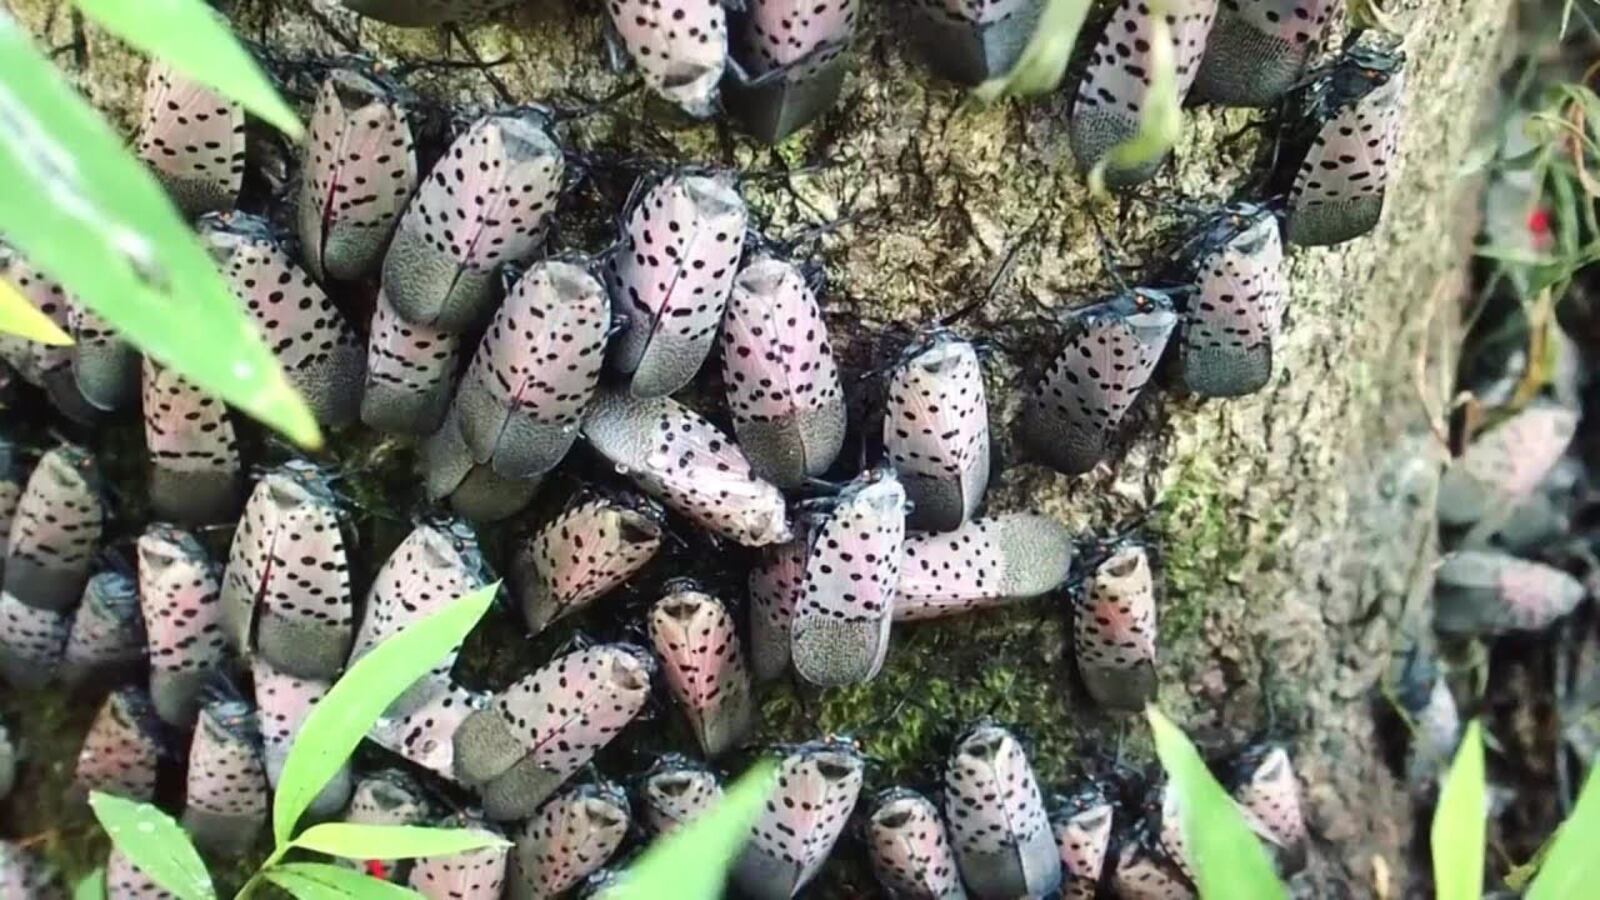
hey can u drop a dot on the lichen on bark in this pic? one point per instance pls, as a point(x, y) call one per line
point(1290, 524)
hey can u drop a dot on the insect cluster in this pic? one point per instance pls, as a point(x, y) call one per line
point(421, 303)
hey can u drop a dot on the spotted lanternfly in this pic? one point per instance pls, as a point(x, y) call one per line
point(1258, 49)
point(475, 491)
point(593, 546)
point(194, 454)
point(936, 432)
point(57, 525)
point(1264, 785)
point(409, 372)
point(805, 813)
point(780, 374)
point(982, 564)
point(226, 798)
point(31, 642)
point(424, 735)
point(25, 875)
point(1082, 828)
point(44, 365)
point(178, 594)
point(670, 276)
point(13, 475)
point(1503, 466)
point(123, 747)
point(971, 41)
point(840, 631)
point(319, 351)
point(522, 397)
point(283, 702)
point(1231, 321)
point(677, 456)
point(419, 13)
point(360, 167)
point(1111, 349)
point(193, 139)
point(126, 881)
point(386, 797)
point(776, 582)
point(107, 628)
point(698, 644)
point(680, 48)
point(1114, 632)
point(677, 790)
point(570, 837)
point(436, 564)
point(1483, 593)
point(910, 851)
point(540, 730)
point(788, 63)
point(997, 818)
point(1116, 87)
point(485, 203)
point(105, 367)
point(1143, 871)
point(473, 875)
point(288, 582)
point(1355, 113)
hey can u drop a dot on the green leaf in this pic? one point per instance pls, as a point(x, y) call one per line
point(19, 317)
point(1043, 62)
point(91, 886)
point(393, 841)
point(155, 844)
point(1460, 824)
point(1161, 119)
point(1571, 867)
point(337, 724)
point(1226, 856)
point(319, 881)
point(196, 41)
point(692, 862)
point(82, 209)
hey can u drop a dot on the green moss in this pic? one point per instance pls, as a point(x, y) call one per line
point(1201, 545)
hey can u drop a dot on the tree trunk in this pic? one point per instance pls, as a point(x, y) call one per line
point(1294, 527)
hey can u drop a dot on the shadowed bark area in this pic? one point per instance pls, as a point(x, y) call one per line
point(1292, 528)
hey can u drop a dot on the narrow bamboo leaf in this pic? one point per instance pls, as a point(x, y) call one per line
point(18, 316)
point(1569, 860)
point(337, 724)
point(692, 862)
point(1044, 61)
point(91, 886)
point(154, 843)
point(1227, 858)
point(319, 881)
point(196, 41)
point(393, 841)
point(80, 207)
point(1161, 120)
point(1460, 824)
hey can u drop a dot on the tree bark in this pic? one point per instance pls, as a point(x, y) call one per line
point(1294, 527)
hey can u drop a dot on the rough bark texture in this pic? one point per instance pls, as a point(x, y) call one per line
point(1294, 527)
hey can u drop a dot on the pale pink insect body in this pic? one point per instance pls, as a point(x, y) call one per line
point(780, 375)
point(522, 397)
point(486, 202)
point(682, 459)
point(840, 631)
point(670, 276)
point(359, 169)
